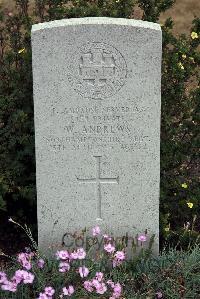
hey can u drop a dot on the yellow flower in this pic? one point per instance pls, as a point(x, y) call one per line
point(21, 50)
point(167, 229)
point(192, 59)
point(194, 35)
point(181, 66)
point(190, 205)
point(184, 185)
point(184, 56)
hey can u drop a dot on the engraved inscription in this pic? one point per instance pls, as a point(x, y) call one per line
point(98, 180)
point(98, 127)
point(97, 70)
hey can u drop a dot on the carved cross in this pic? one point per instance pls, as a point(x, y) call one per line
point(98, 180)
point(96, 67)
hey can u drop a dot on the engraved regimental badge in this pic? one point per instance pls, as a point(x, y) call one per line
point(97, 70)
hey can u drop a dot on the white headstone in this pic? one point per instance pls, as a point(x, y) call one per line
point(97, 126)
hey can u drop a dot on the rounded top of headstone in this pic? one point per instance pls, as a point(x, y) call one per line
point(96, 21)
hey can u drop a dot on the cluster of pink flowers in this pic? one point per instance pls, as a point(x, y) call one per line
point(78, 254)
point(20, 276)
point(117, 256)
point(66, 258)
point(100, 286)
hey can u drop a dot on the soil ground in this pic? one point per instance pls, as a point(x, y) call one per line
point(183, 13)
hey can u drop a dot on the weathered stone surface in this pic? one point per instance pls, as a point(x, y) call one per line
point(97, 126)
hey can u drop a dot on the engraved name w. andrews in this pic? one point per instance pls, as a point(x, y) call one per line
point(99, 129)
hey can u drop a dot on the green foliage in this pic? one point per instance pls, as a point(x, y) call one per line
point(179, 131)
point(51, 10)
point(180, 107)
point(175, 274)
point(17, 176)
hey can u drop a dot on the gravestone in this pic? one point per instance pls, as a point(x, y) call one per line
point(97, 126)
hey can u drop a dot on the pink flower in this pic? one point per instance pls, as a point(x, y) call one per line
point(24, 260)
point(62, 254)
point(28, 277)
point(83, 271)
point(117, 290)
point(159, 295)
point(40, 263)
point(101, 289)
point(22, 257)
point(19, 276)
point(9, 286)
point(88, 285)
point(64, 266)
point(81, 253)
point(96, 231)
point(142, 238)
point(43, 296)
point(3, 277)
point(120, 255)
point(49, 291)
point(23, 276)
point(99, 276)
point(69, 291)
point(118, 258)
point(109, 248)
